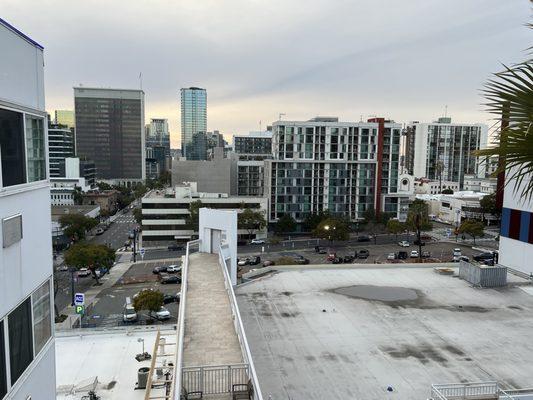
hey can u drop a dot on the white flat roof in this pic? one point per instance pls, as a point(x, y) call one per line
point(401, 327)
point(107, 355)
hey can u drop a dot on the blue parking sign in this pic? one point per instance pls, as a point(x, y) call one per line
point(79, 299)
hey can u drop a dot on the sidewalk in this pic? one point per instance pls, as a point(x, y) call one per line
point(90, 295)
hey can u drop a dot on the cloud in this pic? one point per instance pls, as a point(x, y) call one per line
point(257, 58)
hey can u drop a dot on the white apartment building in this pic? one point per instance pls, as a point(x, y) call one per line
point(443, 150)
point(345, 168)
point(482, 185)
point(425, 186)
point(27, 355)
point(165, 212)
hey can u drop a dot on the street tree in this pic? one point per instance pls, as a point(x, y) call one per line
point(313, 219)
point(75, 226)
point(103, 185)
point(137, 214)
point(395, 227)
point(194, 215)
point(90, 256)
point(251, 220)
point(488, 205)
point(332, 229)
point(369, 214)
point(285, 224)
point(149, 300)
point(472, 228)
point(418, 220)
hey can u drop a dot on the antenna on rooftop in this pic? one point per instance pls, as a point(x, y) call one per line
point(281, 115)
point(445, 110)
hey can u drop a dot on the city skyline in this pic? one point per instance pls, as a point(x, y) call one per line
point(442, 60)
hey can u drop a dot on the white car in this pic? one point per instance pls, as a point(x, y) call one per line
point(403, 243)
point(456, 254)
point(258, 241)
point(129, 314)
point(173, 268)
point(84, 272)
point(163, 313)
point(391, 256)
point(414, 254)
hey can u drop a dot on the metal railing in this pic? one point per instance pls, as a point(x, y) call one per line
point(239, 327)
point(214, 379)
point(181, 318)
point(464, 390)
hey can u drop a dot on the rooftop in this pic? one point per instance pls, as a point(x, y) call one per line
point(58, 211)
point(349, 334)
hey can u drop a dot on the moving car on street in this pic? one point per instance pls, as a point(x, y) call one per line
point(175, 247)
point(363, 238)
point(403, 243)
point(258, 241)
point(483, 257)
point(84, 272)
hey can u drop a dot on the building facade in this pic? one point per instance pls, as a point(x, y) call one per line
point(157, 147)
point(252, 151)
point(194, 123)
point(442, 150)
point(345, 168)
point(213, 140)
point(110, 131)
point(482, 185)
point(27, 354)
point(61, 145)
point(65, 118)
point(165, 213)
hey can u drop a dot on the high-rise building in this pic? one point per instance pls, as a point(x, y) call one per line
point(345, 168)
point(27, 348)
point(64, 118)
point(193, 123)
point(213, 140)
point(252, 151)
point(110, 131)
point(60, 146)
point(442, 150)
point(157, 147)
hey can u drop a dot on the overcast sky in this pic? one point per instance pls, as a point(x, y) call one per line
point(404, 60)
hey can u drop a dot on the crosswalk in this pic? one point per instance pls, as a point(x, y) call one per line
point(125, 219)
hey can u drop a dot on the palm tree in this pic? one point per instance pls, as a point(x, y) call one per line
point(510, 97)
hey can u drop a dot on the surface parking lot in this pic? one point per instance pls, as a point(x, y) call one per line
point(107, 311)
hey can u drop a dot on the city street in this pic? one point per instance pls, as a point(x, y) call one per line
point(110, 305)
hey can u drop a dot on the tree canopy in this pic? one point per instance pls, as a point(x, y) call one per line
point(251, 220)
point(418, 216)
point(285, 224)
point(472, 228)
point(332, 229)
point(149, 300)
point(193, 219)
point(447, 191)
point(395, 227)
point(75, 226)
point(86, 255)
point(488, 205)
point(313, 219)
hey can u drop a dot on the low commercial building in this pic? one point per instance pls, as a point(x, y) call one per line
point(482, 185)
point(218, 175)
point(426, 186)
point(165, 212)
point(62, 190)
point(106, 199)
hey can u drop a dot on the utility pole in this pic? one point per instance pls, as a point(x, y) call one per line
point(134, 244)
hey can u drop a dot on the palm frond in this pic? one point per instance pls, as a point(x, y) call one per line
point(509, 96)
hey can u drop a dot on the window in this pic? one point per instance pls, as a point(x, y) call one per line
point(3, 377)
point(20, 340)
point(12, 148)
point(42, 325)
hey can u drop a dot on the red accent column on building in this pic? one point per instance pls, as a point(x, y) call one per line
point(379, 169)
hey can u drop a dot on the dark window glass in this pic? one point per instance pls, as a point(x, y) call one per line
point(3, 379)
point(20, 339)
point(12, 148)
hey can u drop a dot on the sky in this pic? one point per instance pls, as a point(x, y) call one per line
point(404, 60)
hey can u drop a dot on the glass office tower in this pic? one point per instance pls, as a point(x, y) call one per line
point(193, 123)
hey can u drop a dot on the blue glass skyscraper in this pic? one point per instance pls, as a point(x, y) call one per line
point(193, 123)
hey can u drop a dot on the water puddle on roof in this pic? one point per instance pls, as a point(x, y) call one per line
point(378, 293)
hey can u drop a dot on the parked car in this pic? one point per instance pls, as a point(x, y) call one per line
point(414, 254)
point(419, 242)
point(171, 298)
point(298, 258)
point(254, 260)
point(363, 254)
point(403, 243)
point(363, 238)
point(161, 268)
point(426, 254)
point(99, 231)
point(483, 257)
point(402, 255)
point(173, 268)
point(161, 314)
point(320, 250)
point(348, 259)
point(258, 241)
point(464, 258)
point(337, 260)
point(175, 247)
point(490, 262)
point(391, 256)
point(456, 254)
point(63, 267)
point(129, 314)
point(84, 272)
point(331, 256)
point(166, 278)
